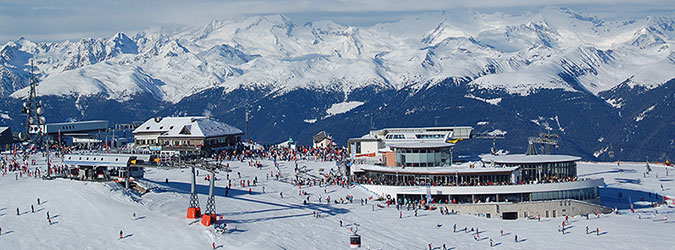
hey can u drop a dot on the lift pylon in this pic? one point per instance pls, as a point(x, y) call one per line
point(193, 211)
point(210, 213)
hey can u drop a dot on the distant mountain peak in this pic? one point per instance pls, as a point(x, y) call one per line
point(555, 47)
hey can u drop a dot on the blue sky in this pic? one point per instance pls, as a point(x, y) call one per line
point(58, 20)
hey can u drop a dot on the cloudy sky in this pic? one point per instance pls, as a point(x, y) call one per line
point(57, 20)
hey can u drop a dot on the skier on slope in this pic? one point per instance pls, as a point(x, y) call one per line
point(121, 234)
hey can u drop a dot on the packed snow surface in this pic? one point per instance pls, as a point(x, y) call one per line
point(90, 215)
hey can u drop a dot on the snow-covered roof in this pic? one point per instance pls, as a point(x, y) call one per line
point(522, 158)
point(421, 144)
point(190, 126)
point(436, 170)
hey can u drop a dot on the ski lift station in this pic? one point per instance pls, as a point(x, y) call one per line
point(103, 167)
point(80, 132)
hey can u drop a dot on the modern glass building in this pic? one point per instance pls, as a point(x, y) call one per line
point(422, 154)
point(515, 178)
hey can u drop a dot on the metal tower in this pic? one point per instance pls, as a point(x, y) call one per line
point(211, 201)
point(210, 215)
point(34, 120)
point(547, 139)
point(193, 211)
point(492, 137)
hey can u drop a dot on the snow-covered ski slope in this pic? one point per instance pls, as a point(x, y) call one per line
point(88, 215)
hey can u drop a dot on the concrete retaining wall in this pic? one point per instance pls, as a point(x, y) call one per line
point(546, 209)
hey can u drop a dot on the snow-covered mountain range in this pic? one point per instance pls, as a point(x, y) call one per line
point(605, 85)
point(517, 53)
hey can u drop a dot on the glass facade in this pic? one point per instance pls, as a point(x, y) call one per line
point(577, 194)
point(545, 171)
point(399, 179)
point(422, 157)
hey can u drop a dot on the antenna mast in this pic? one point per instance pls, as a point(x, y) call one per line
point(35, 122)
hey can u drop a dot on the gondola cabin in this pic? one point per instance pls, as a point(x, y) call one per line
point(355, 241)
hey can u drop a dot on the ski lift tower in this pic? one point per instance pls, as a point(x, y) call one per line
point(209, 216)
point(193, 211)
point(489, 136)
point(547, 140)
